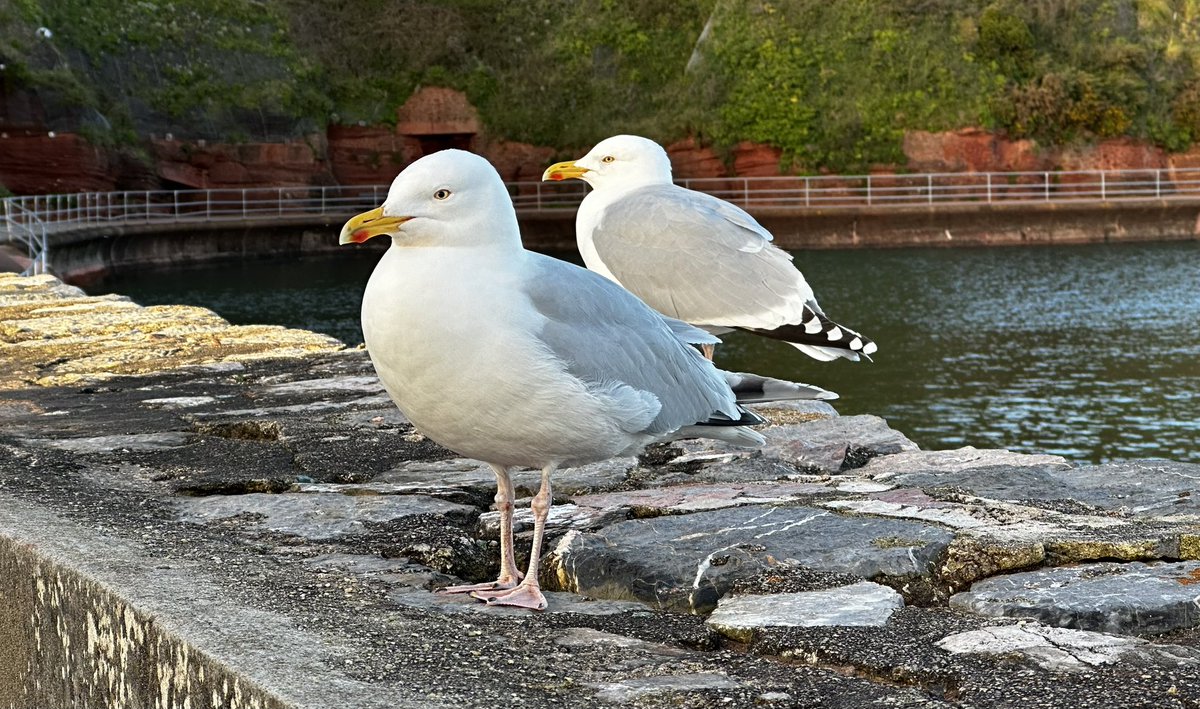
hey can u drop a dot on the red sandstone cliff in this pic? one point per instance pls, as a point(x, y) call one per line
point(37, 161)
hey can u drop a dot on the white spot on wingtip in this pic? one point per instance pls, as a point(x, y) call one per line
point(870, 348)
point(856, 344)
point(812, 326)
point(834, 334)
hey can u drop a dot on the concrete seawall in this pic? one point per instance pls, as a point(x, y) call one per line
point(85, 256)
point(194, 514)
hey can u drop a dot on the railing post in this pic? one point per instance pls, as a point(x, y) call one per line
point(1047, 179)
point(929, 186)
point(176, 205)
point(807, 189)
point(1158, 184)
point(745, 192)
point(989, 188)
point(1103, 186)
point(322, 201)
point(243, 203)
point(279, 201)
point(208, 205)
point(147, 205)
point(868, 190)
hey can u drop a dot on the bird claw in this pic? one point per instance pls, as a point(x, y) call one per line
point(472, 588)
point(522, 596)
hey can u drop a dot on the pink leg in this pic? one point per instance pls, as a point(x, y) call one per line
point(708, 351)
point(509, 576)
point(528, 594)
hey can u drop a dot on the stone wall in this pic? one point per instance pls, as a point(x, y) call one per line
point(37, 161)
point(270, 531)
point(69, 641)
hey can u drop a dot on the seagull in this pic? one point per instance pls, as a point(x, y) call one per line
point(693, 256)
point(521, 360)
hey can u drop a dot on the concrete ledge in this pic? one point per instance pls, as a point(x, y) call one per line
point(268, 532)
point(92, 620)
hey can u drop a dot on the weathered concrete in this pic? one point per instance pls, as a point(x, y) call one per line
point(269, 532)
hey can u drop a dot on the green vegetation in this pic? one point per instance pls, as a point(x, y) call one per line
point(835, 84)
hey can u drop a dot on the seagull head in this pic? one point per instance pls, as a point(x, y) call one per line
point(449, 198)
point(624, 160)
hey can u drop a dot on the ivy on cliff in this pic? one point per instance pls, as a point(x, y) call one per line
point(836, 85)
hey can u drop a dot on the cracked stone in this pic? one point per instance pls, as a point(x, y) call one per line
point(862, 603)
point(1064, 649)
point(687, 562)
point(315, 516)
point(834, 444)
point(631, 690)
point(1132, 598)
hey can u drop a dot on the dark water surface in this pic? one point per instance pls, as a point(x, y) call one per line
point(1091, 352)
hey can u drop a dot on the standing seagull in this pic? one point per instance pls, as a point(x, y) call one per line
point(692, 256)
point(519, 359)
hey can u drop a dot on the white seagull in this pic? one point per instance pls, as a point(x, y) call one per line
point(693, 256)
point(519, 359)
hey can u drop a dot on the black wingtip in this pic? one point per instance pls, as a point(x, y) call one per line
point(748, 418)
point(816, 330)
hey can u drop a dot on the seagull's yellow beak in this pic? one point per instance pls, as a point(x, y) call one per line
point(563, 171)
point(369, 224)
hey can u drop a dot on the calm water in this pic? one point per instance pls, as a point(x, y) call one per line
point(1091, 352)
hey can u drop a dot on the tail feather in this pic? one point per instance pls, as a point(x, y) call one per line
point(821, 338)
point(755, 389)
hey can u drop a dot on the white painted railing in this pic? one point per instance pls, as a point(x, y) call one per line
point(24, 228)
point(28, 219)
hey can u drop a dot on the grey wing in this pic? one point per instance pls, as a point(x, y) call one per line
point(697, 258)
point(609, 338)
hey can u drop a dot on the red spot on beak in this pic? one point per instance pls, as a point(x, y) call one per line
point(556, 176)
point(360, 236)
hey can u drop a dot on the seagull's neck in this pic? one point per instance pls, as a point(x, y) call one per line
point(611, 190)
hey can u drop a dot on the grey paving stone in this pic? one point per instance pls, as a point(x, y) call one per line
point(1123, 598)
point(314, 516)
point(687, 562)
point(835, 444)
point(1064, 649)
point(862, 603)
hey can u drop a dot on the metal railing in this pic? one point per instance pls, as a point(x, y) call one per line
point(24, 227)
point(28, 219)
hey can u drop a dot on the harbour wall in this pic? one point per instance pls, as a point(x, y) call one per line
point(85, 256)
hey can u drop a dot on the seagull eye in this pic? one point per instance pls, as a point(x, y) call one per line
point(442, 194)
point(607, 158)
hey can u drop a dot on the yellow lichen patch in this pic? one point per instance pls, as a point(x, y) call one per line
point(52, 334)
point(779, 416)
point(969, 559)
point(1189, 547)
point(1072, 550)
point(111, 321)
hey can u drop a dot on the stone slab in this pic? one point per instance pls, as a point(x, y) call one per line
point(1121, 598)
point(687, 562)
point(832, 445)
point(864, 603)
point(315, 516)
point(1064, 649)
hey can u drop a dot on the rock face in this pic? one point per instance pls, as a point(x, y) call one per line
point(240, 499)
point(434, 118)
point(43, 162)
point(239, 166)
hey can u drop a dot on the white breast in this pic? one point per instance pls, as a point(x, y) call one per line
point(586, 220)
point(462, 360)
